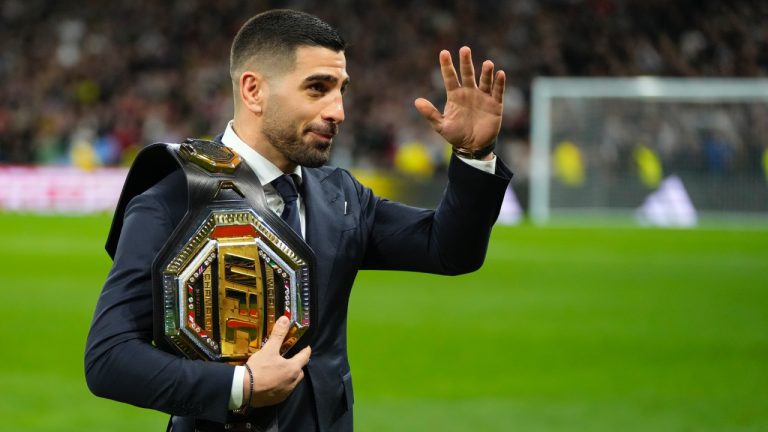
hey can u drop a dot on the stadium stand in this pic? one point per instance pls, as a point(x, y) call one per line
point(89, 83)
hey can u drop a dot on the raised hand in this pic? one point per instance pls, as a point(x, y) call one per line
point(274, 377)
point(472, 115)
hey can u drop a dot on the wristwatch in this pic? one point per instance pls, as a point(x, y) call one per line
point(475, 154)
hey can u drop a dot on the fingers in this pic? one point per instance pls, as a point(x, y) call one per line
point(275, 377)
point(498, 87)
point(301, 358)
point(448, 71)
point(486, 77)
point(297, 363)
point(297, 380)
point(488, 84)
point(277, 336)
point(466, 67)
point(429, 112)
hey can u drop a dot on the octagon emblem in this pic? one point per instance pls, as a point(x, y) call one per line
point(224, 289)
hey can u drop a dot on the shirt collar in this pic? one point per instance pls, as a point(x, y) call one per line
point(264, 169)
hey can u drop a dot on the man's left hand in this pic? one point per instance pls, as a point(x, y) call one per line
point(472, 115)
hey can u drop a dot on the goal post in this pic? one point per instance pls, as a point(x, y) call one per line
point(597, 143)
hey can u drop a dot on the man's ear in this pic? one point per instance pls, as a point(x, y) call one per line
point(252, 91)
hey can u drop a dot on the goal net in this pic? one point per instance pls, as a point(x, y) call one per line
point(654, 149)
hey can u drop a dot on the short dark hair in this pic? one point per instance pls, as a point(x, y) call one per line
point(272, 38)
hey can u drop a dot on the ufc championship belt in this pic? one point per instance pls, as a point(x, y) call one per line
point(231, 267)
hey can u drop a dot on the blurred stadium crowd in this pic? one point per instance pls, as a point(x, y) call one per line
point(90, 82)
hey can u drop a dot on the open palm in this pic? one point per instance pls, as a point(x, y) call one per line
point(472, 115)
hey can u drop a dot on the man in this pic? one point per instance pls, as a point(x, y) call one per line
point(289, 76)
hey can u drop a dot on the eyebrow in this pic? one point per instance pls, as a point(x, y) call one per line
point(327, 78)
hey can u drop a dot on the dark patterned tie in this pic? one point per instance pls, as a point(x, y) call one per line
point(286, 187)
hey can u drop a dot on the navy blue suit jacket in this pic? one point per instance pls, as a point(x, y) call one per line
point(121, 362)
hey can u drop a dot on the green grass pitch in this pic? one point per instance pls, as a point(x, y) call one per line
point(564, 329)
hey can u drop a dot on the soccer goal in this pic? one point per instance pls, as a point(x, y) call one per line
point(644, 147)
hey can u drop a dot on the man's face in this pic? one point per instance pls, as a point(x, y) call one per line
point(304, 108)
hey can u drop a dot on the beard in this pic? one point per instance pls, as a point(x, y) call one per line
point(283, 136)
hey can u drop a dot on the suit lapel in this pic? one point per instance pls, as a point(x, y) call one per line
point(328, 217)
point(324, 200)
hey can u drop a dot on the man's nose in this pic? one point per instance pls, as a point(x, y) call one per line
point(334, 112)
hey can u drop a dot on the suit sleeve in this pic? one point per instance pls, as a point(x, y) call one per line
point(453, 239)
point(121, 363)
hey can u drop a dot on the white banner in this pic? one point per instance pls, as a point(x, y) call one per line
point(48, 189)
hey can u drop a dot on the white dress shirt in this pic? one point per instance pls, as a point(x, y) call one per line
point(266, 171)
